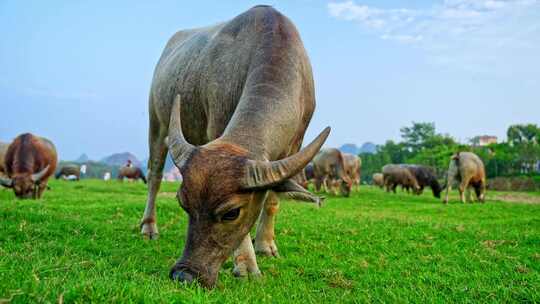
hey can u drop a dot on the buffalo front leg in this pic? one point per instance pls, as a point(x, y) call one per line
point(317, 183)
point(329, 185)
point(158, 153)
point(265, 239)
point(245, 261)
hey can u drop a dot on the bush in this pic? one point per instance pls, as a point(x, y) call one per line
point(514, 184)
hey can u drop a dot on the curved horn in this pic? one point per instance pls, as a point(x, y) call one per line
point(36, 177)
point(6, 182)
point(179, 148)
point(267, 173)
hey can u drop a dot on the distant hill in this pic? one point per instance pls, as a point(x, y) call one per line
point(120, 159)
point(367, 147)
point(349, 148)
point(82, 159)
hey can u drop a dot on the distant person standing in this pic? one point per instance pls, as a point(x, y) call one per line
point(107, 176)
point(83, 170)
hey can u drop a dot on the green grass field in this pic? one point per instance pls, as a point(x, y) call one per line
point(81, 243)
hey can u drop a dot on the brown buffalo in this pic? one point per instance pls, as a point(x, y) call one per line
point(378, 179)
point(352, 167)
point(234, 100)
point(425, 176)
point(395, 175)
point(30, 161)
point(68, 171)
point(132, 173)
point(330, 172)
point(467, 169)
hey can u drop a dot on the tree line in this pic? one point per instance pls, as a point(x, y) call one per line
point(421, 144)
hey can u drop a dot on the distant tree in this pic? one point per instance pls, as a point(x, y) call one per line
point(416, 136)
point(396, 152)
point(526, 140)
point(523, 134)
point(423, 145)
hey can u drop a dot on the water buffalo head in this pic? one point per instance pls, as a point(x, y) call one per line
point(223, 192)
point(25, 185)
point(436, 189)
point(345, 185)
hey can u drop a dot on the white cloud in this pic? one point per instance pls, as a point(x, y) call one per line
point(475, 33)
point(402, 38)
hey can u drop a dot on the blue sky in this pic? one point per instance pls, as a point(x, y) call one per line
point(79, 72)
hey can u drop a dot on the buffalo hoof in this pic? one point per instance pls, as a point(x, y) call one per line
point(242, 271)
point(182, 276)
point(150, 231)
point(320, 201)
point(266, 248)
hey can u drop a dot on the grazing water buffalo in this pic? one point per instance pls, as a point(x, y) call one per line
point(30, 161)
point(3, 151)
point(69, 171)
point(234, 100)
point(352, 167)
point(330, 171)
point(301, 179)
point(468, 169)
point(378, 179)
point(134, 173)
point(425, 176)
point(395, 175)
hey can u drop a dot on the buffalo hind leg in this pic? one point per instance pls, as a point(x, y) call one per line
point(158, 153)
point(462, 188)
point(245, 261)
point(265, 238)
point(480, 191)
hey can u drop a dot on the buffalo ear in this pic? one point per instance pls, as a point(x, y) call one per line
point(6, 182)
point(289, 189)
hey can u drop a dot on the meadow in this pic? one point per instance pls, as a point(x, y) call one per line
point(81, 243)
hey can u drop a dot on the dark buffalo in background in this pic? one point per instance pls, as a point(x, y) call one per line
point(308, 170)
point(30, 161)
point(69, 170)
point(425, 177)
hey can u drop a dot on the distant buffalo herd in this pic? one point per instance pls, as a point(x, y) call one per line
point(27, 163)
point(465, 169)
point(231, 104)
point(332, 170)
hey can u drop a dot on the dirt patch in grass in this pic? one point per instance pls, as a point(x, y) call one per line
point(167, 194)
point(520, 198)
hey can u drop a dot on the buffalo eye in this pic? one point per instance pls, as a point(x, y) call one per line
point(231, 215)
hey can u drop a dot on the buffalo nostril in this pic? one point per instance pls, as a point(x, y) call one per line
point(182, 276)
